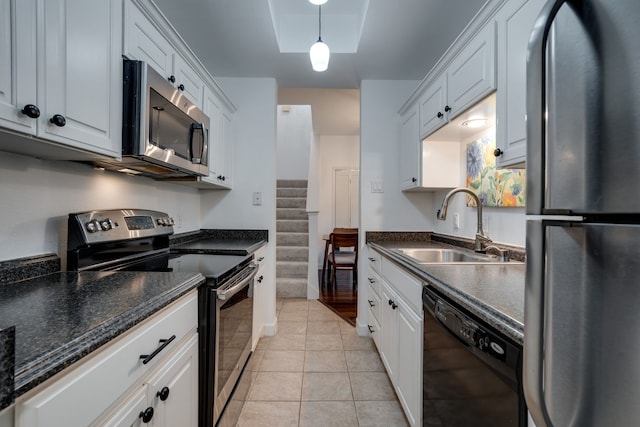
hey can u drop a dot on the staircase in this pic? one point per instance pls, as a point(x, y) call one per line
point(292, 239)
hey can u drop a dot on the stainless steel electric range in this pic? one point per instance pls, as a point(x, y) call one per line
point(138, 240)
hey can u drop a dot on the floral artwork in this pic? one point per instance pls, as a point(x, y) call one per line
point(494, 187)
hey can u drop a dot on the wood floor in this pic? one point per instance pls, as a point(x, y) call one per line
point(342, 297)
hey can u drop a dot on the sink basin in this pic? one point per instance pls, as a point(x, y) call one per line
point(440, 256)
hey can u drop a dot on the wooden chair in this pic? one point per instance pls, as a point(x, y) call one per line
point(344, 254)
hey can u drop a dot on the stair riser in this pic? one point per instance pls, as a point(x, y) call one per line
point(291, 183)
point(297, 270)
point(292, 239)
point(291, 203)
point(293, 226)
point(292, 254)
point(292, 193)
point(288, 289)
point(291, 214)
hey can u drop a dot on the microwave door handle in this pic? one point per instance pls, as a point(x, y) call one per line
point(197, 128)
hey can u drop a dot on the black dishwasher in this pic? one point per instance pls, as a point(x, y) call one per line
point(472, 376)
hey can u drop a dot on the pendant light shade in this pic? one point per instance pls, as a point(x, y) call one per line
point(319, 52)
point(317, 2)
point(319, 55)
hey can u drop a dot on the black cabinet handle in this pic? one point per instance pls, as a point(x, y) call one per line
point(221, 177)
point(394, 305)
point(260, 279)
point(58, 120)
point(31, 110)
point(172, 79)
point(372, 259)
point(391, 302)
point(163, 394)
point(439, 115)
point(414, 179)
point(146, 415)
point(371, 304)
point(261, 259)
point(163, 343)
point(370, 328)
point(498, 152)
point(447, 109)
point(371, 280)
point(181, 86)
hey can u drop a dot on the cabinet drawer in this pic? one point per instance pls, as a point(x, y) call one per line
point(374, 280)
point(374, 258)
point(373, 299)
point(404, 284)
point(108, 373)
point(375, 331)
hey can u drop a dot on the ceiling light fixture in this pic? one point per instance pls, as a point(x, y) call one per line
point(475, 123)
point(319, 52)
point(317, 2)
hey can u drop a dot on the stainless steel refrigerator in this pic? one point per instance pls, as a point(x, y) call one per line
point(582, 306)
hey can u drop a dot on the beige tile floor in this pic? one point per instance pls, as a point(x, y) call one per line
point(317, 371)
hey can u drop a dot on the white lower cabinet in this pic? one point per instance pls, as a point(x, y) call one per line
point(396, 327)
point(114, 387)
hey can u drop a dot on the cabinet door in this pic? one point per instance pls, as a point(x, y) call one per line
point(472, 74)
point(432, 107)
point(515, 21)
point(188, 81)
point(173, 393)
point(389, 325)
point(409, 345)
point(81, 74)
point(410, 151)
point(17, 63)
point(259, 294)
point(225, 155)
point(143, 41)
point(211, 107)
point(127, 414)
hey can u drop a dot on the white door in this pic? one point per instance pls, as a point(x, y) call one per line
point(346, 208)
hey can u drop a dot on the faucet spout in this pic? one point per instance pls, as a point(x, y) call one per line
point(442, 215)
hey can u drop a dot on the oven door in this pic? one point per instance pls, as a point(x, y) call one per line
point(234, 320)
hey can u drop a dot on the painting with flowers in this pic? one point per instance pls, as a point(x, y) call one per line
point(494, 187)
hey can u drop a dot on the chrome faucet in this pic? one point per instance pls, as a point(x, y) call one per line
point(442, 215)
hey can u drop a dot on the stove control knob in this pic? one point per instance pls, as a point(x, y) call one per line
point(106, 224)
point(92, 226)
point(159, 221)
point(171, 221)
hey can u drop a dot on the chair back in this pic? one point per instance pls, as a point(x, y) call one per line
point(345, 240)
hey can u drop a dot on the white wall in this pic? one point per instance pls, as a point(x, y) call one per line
point(295, 134)
point(254, 169)
point(37, 195)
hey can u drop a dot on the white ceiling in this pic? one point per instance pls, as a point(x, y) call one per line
point(398, 40)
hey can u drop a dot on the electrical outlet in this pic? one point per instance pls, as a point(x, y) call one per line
point(456, 221)
point(257, 198)
point(376, 187)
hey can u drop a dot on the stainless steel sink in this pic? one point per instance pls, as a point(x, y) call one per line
point(446, 256)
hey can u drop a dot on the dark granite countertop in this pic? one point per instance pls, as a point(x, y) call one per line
point(221, 242)
point(61, 317)
point(492, 292)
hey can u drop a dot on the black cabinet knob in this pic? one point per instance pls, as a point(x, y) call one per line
point(31, 110)
point(221, 177)
point(58, 120)
point(447, 109)
point(181, 86)
point(146, 415)
point(414, 179)
point(163, 394)
point(371, 303)
point(260, 279)
point(394, 306)
point(371, 330)
point(439, 115)
point(498, 152)
point(391, 302)
point(172, 79)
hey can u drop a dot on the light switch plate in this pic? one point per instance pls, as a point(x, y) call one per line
point(257, 198)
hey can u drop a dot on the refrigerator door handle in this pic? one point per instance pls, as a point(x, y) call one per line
point(536, 101)
point(534, 316)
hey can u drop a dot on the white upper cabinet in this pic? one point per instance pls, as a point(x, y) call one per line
point(410, 161)
point(472, 73)
point(469, 77)
point(61, 77)
point(220, 144)
point(515, 21)
point(145, 42)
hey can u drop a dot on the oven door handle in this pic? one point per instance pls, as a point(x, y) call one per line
point(224, 293)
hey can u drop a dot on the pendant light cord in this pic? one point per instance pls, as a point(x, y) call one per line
point(319, 23)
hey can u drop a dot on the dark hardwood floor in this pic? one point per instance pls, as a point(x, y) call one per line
point(341, 297)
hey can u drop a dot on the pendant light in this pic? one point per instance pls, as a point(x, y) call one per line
point(319, 52)
point(317, 2)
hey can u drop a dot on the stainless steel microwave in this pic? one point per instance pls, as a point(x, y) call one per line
point(164, 134)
